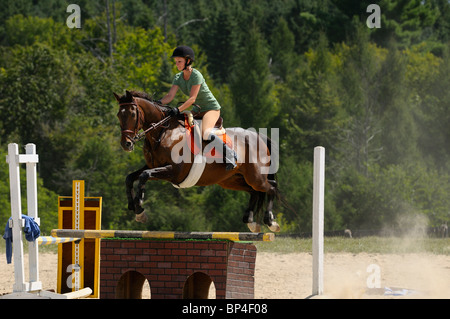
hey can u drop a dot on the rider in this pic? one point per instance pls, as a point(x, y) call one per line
point(192, 83)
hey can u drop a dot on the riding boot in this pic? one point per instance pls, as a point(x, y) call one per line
point(228, 154)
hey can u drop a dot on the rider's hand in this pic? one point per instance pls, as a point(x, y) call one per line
point(174, 112)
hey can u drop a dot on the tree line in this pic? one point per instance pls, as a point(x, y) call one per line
point(376, 99)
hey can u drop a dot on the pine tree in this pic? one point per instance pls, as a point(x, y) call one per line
point(399, 132)
point(220, 43)
point(407, 21)
point(312, 104)
point(251, 83)
point(282, 47)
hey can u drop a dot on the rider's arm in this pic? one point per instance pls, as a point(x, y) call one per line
point(192, 97)
point(170, 96)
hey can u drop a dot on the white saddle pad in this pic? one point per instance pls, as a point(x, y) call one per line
point(198, 166)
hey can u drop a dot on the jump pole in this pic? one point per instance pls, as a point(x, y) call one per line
point(318, 217)
point(232, 236)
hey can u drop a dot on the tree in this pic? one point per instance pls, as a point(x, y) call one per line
point(220, 43)
point(139, 55)
point(408, 22)
point(361, 81)
point(399, 135)
point(282, 50)
point(427, 78)
point(311, 106)
point(35, 87)
point(251, 84)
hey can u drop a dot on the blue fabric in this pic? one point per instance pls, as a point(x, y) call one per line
point(8, 237)
point(31, 230)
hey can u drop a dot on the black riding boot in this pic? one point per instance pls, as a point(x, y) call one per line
point(228, 154)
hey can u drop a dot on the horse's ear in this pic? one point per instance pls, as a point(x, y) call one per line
point(129, 95)
point(117, 97)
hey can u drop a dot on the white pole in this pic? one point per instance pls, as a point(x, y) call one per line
point(318, 215)
point(16, 217)
point(32, 207)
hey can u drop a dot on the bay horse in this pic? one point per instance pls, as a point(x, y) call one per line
point(162, 133)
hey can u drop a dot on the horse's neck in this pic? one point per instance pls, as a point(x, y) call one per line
point(151, 113)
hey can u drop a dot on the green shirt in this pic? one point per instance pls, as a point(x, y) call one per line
point(205, 99)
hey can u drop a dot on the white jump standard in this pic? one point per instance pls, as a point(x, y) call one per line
point(33, 287)
point(318, 216)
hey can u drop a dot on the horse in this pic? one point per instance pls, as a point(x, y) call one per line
point(163, 133)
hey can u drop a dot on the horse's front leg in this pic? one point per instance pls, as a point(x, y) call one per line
point(129, 182)
point(164, 172)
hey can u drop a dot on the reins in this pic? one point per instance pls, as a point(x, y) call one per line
point(140, 136)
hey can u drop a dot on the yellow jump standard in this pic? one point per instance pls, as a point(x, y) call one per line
point(79, 261)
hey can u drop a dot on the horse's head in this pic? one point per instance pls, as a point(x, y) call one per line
point(130, 120)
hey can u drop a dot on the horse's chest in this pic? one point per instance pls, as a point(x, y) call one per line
point(157, 154)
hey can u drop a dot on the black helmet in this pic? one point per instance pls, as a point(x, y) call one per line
point(184, 52)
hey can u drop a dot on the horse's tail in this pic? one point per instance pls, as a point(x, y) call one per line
point(260, 203)
point(274, 153)
point(272, 177)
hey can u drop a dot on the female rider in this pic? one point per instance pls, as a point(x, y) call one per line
point(192, 83)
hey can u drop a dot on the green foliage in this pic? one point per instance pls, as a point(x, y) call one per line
point(377, 100)
point(379, 200)
point(35, 89)
point(139, 57)
point(408, 22)
point(252, 88)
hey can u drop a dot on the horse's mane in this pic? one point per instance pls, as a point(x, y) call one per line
point(148, 97)
point(143, 95)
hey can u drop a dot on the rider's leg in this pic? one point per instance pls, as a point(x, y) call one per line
point(209, 119)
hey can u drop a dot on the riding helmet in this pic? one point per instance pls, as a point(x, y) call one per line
point(184, 52)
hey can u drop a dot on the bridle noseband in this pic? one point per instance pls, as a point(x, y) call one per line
point(136, 127)
point(139, 136)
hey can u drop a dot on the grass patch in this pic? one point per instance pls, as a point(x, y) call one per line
point(381, 245)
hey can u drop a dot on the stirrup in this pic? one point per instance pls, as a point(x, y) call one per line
point(230, 163)
point(230, 166)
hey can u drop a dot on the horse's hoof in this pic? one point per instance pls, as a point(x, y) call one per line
point(248, 217)
point(274, 227)
point(254, 227)
point(141, 218)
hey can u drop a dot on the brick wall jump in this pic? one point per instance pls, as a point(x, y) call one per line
point(167, 265)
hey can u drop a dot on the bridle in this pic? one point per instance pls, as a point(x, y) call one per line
point(139, 136)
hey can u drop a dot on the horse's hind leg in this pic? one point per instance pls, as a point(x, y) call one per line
point(249, 213)
point(238, 183)
point(268, 188)
point(269, 220)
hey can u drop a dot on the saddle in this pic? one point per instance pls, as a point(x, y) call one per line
point(195, 145)
point(193, 125)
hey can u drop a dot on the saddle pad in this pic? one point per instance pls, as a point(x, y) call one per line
point(193, 137)
point(195, 173)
